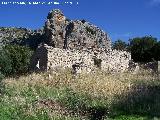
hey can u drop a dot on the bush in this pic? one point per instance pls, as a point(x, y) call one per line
point(1, 76)
point(2, 86)
point(141, 48)
point(14, 59)
point(5, 63)
point(156, 50)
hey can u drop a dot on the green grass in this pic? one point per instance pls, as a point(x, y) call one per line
point(124, 117)
point(48, 96)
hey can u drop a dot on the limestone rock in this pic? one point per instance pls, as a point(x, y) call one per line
point(21, 36)
point(68, 34)
point(10, 34)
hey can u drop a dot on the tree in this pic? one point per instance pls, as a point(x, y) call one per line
point(120, 45)
point(141, 48)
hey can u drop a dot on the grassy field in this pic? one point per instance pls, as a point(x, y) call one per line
point(96, 96)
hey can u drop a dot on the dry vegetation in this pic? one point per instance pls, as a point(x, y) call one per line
point(91, 96)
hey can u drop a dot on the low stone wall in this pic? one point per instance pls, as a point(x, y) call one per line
point(115, 61)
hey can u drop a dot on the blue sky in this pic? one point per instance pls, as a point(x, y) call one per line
point(121, 19)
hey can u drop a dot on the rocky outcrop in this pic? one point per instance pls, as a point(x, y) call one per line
point(21, 36)
point(10, 34)
point(68, 34)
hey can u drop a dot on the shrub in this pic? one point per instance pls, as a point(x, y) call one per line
point(141, 48)
point(156, 50)
point(14, 59)
point(2, 86)
point(5, 63)
point(1, 76)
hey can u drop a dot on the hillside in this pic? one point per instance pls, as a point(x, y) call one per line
point(10, 34)
point(21, 36)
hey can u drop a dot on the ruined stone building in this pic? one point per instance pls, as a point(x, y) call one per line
point(79, 45)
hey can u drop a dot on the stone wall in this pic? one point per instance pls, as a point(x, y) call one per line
point(80, 61)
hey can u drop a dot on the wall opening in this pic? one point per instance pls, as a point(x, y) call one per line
point(97, 62)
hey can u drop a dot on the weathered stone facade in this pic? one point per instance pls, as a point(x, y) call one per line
point(78, 45)
point(81, 61)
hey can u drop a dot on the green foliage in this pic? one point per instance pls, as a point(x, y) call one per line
point(120, 45)
point(1, 76)
point(14, 59)
point(124, 117)
point(2, 85)
point(144, 100)
point(94, 108)
point(22, 100)
point(5, 63)
point(14, 111)
point(141, 48)
point(156, 51)
point(73, 100)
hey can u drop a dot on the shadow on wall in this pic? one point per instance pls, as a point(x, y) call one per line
point(32, 41)
point(141, 100)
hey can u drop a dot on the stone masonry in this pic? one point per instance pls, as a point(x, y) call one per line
point(81, 61)
point(79, 45)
